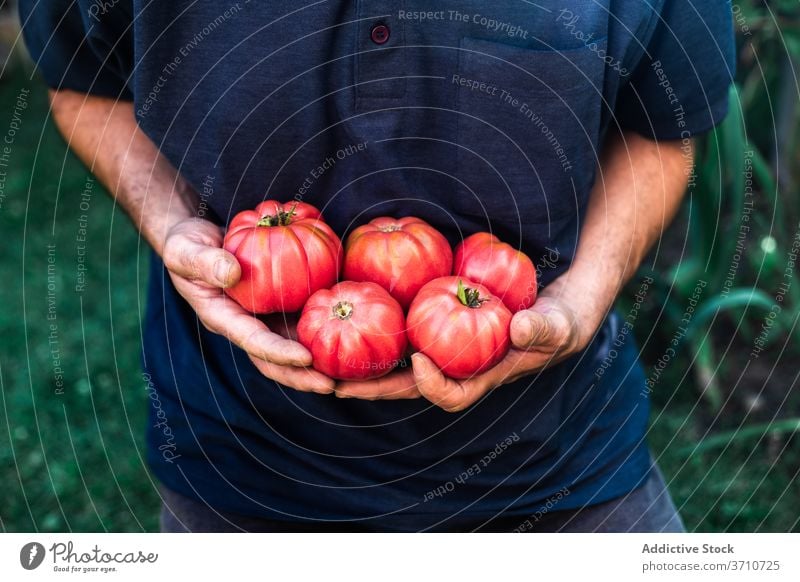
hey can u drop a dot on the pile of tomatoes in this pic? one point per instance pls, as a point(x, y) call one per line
point(401, 286)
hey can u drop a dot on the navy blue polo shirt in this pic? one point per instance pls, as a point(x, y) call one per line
point(473, 115)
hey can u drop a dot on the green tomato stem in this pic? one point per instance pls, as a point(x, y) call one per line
point(469, 297)
point(283, 218)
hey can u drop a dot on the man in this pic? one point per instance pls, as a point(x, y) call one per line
point(564, 128)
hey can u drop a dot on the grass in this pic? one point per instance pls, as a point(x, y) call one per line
point(70, 460)
point(73, 461)
point(744, 484)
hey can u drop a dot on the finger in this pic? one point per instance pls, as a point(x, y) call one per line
point(527, 327)
point(257, 340)
point(222, 315)
point(517, 364)
point(531, 328)
point(284, 324)
point(200, 262)
point(444, 392)
point(396, 385)
point(302, 379)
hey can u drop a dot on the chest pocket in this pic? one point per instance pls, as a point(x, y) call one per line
point(528, 123)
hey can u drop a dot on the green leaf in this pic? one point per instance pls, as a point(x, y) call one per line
point(705, 373)
point(732, 182)
point(763, 174)
point(461, 293)
point(704, 201)
point(684, 276)
point(792, 43)
point(788, 425)
point(737, 297)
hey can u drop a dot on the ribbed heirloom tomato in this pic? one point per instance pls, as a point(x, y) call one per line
point(459, 325)
point(400, 255)
point(286, 252)
point(506, 272)
point(354, 331)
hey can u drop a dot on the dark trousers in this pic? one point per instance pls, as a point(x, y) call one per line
point(646, 509)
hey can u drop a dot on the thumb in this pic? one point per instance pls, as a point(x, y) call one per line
point(531, 328)
point(427, 376)
point(434, 386)
point(200, 262)
point(424, 368)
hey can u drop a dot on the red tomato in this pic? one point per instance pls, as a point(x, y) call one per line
point(506, 272)
point(354, 331)
point(399, 255)
point(460, 326)
point(286, 252)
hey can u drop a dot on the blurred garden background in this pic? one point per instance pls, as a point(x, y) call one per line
point(726, 403)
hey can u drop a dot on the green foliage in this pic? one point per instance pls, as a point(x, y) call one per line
point(715, 431)
point(724, 428)
point(741, 480)
point(71, 441)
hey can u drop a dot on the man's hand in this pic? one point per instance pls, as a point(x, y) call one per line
point(200, 269)
point(162, 205)
point(541, 336)
point(398, 384)
point(639, 187)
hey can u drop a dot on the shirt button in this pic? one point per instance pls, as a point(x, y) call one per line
point(379, 34)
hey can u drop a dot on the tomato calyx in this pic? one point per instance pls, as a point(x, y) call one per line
point(282, 218)
point(469, 297)
point(342, 310)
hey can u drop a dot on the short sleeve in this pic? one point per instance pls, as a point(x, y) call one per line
point(81, 45)
point(679, 88)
